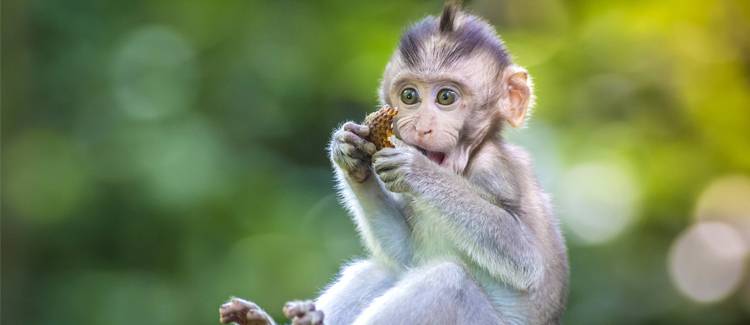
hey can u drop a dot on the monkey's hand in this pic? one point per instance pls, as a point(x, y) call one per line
point(398, 168)
point(351, 152)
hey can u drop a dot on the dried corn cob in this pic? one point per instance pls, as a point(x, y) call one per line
point(380, 123)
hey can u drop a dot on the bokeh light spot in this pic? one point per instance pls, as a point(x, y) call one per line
point(727, 199)
point(706, 262)
point(153, 73)
point(598, 200)
point(540, 140)
point(181, 163)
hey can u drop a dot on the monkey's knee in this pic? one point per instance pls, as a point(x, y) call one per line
point(465, 297)
point(439, 293)
point(360, 273)
point(357, 280)
point(450, 275)
point(357, 285)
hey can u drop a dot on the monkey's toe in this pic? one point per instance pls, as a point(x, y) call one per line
point(303, 313)
point(243, 312)
point(314, 317)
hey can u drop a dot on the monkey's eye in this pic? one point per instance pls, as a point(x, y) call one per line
point(446, 96)
point(409, 96)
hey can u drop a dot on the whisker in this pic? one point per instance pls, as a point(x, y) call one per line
point(404, 121)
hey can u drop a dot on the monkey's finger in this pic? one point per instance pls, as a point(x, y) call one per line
point(386, 152)
point(356, 140)
point(361, 130)
point(398, 143)
point(384, 164)
point(391, 156)
point(383, 168)
point(351, 151)
point(345, 136)
point(350, 160)
point(389, 175)
point(393, 181)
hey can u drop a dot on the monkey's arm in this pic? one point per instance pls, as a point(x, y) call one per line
point(376, 211)
point(494, 236)
point(379, 219)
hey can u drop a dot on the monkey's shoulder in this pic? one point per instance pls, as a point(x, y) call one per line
point(500, 155)
point(502, 169)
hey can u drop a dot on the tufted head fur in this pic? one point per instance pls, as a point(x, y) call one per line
point(434, 42)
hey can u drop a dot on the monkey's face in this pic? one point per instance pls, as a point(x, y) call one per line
point(454, 84)
point(438, 110)
point(431, 114)
point(447, 113)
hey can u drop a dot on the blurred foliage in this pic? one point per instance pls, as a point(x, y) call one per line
point(159, 156)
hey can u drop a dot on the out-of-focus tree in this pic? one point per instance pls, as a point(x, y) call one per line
point(159, 156)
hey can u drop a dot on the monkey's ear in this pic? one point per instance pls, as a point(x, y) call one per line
point(518, 95)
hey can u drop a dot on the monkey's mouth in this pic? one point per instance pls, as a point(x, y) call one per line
point(437, 157)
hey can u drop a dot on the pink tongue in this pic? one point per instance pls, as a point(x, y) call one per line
point(437, 157)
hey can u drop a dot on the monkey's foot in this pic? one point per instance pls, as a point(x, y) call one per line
point(243, 312)
point(303, 313)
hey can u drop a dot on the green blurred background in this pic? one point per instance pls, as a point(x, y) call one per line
point(159, 156)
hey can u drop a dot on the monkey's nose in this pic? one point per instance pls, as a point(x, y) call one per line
point(424, 132)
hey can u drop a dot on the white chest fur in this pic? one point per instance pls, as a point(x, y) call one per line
point(430, 235)
point(433, 243)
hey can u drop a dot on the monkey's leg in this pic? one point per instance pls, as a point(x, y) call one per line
point(243, 312)
point(357, 286)
point(442, 293)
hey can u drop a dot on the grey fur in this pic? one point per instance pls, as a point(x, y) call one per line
point(470, 241)
point(466, 239)
point(514, 259)
point(447, 19)
point(461, 40)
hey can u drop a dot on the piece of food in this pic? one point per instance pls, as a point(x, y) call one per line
point(380, 123)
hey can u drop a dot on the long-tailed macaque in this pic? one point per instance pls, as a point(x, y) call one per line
point(456, 225)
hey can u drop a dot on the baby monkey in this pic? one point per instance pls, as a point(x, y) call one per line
point(456, 225)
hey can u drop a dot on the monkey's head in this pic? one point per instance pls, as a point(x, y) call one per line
point(454, 84)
